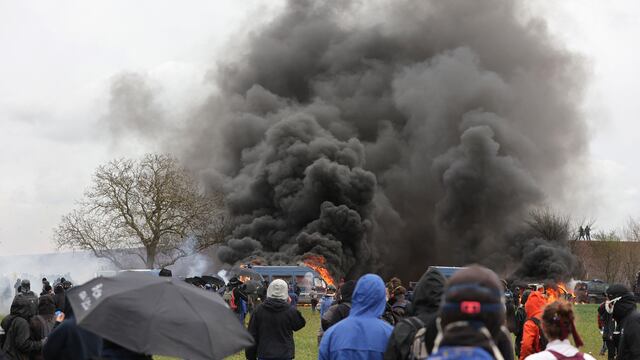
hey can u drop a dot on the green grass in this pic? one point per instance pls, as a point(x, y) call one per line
point(587, 324)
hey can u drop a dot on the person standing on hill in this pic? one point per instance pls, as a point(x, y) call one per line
point(362, 335)
point(272, 325)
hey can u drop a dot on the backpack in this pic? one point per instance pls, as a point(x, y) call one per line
point(577, 356)
point(520, 317)
point(461, 353)
point(230, 299)
point(418, 349)
point(542, 340)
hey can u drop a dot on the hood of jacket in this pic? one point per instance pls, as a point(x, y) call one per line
point(24, 306)
point(428, 293)
point(369, 297)
point(535, 304)
point(276, 305)
point(625, 305)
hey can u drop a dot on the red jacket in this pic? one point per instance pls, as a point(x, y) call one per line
point(530, 333)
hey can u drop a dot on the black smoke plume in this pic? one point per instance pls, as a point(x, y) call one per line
point(390, 135)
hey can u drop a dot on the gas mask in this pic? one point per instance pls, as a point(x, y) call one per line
point(609, 304)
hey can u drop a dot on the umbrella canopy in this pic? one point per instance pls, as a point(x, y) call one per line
point(159, 316)
point(213, 280)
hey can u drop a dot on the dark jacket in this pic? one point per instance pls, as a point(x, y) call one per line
point(625, 313)
point(41, 326)
point(70, 342)
point(426, 301)
point(339, 311)
point(272, 326)
point(59, 297)
point(400, 307)
point(362, 335)
point(18, 344)
point(520, 318)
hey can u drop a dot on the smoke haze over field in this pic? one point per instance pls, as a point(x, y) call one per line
point(382, 135)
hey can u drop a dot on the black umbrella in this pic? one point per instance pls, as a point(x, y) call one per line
point(159, 316)
point(213, 280)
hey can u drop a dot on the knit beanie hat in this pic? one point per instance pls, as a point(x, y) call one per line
point(474, 295)
point(278, 289)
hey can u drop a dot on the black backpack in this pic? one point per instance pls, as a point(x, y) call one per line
point(542, 340)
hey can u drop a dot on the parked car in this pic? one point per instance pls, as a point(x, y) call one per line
point(596, 291)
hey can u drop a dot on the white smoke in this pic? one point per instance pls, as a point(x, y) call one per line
point(77, 267)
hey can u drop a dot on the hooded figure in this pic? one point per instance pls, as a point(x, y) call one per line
point(362, 335)
point(531, 331)
point(272, 325)
point(43, 323)
point(622, 305)
point(18, 344)
point(424, 309)
point(339, 311)
point(472, 316)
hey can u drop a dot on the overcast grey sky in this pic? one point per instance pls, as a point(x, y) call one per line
point(57, 60)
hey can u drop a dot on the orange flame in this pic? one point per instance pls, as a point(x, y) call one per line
point(559, 292)
point(316, 262)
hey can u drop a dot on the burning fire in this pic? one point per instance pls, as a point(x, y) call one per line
point(558, 292)
point(316, 262)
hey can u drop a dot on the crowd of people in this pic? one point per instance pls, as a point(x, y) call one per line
point(464, 317)
point(32, 318)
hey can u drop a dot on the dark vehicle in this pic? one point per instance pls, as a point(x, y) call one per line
point(596, 291)
point(306, 279)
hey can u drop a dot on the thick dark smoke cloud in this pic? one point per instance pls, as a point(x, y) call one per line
point(389, 135)
point(543, 259)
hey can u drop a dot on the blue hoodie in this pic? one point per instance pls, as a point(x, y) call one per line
point(362, 335)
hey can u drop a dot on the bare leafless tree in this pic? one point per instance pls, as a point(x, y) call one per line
point(549, 225)
point(151, 208)
point(607, 258)
point(632, 230)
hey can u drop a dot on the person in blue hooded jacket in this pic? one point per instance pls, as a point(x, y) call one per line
point(362, 335)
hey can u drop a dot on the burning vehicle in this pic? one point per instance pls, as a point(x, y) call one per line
point(305, 278)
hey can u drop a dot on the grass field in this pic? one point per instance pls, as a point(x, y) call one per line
point(307, 349)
